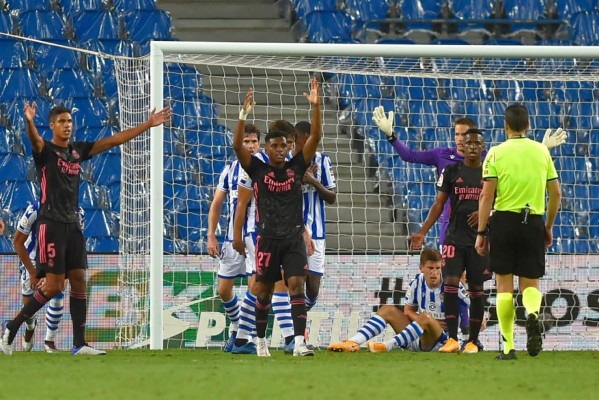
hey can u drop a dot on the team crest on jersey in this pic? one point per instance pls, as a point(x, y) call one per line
point(432, 307)
point(290, 173)
point(75, 154)
point(452, 156)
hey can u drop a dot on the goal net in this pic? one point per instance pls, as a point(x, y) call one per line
point(381, 199)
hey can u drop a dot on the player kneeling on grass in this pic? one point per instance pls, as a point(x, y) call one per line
point(421, 326)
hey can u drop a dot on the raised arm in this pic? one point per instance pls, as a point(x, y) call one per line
point(417, 239)
point(244, 196)
point(316, 129)
point(155, 119)
point(385, 124)
point(37, 142)
point(243, 154)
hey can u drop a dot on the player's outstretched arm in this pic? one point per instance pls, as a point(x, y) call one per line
point(213, 215)
point(155, 119)
point(19, 243)
point(385, 124)
point(244, 196)
point(37, 142)
point(417, 239)
point(316, 129)
point(554, 139)
point(243, 154)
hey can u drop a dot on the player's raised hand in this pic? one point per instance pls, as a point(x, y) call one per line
point(213, 250)
point(416, 241)
point(554, 139)
point(313, 96)
point(29, 111)
point(248, 105)
point(385, 123)
point(160, 117)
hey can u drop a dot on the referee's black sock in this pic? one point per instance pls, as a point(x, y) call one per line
point(36, 302)
point(452, 309)
point(78, 304)
point(299, 314)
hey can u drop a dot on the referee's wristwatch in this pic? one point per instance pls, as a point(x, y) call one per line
point(483, 233)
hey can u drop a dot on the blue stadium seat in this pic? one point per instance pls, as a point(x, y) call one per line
point(19, 83)
point(102, 244)
point(472, 10)
point(191, 227)
point(584, 116)
point(43, 25)
point(416, 88)
point(6, 25)
point(146, 25)
point(49, 58)
point(85, 134)
point(14, 112)
point(70, 83)
point(13, 167)
point(181, 81)
point(198, 199)
point(466, 89)
point(187, 117)
point(12, 54)
point(328, 26)
point(585, 28)
point(303, 7)
point(134, 5)
point(174, 195)
point(175, 170)
point(94, 25)
point(419, 9)
point(544, 114)
point(73, 6)
point(567, 8)
point(210, 169)
point(524, 10)
point(98, 223)
point(114, 194)
point(44, 132)
point(106, 168)
point(17, 195)
point(6, 246)
point(362, 110)
point(89, 195)
point(89, 112)
point(29, 5)
point(361, 10)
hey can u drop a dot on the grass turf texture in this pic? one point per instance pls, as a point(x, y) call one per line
point(208, 374)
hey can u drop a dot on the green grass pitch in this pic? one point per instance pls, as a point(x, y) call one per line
point(212, 374)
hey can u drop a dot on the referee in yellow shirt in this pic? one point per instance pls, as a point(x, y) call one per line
point(516, 174)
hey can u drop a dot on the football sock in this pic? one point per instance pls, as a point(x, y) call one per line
point(232, 310)
point(54, 313)
point(409, 334)
point(36, 302)
point(78, 305)
point(247, 319)
point(310, 302)
point(282, 309)
point(532, 298)
point(506, 314)
point(477, 313)
point(299, 314)
point(30, 323)
point(373, 327)
point(452, 308)
point(262, 307)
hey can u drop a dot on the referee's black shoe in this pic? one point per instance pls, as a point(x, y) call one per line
point(511, 355)
point(534, 342)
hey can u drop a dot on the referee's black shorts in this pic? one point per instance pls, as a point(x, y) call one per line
point(517, 248)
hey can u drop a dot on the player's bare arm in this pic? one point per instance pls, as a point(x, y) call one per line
point(213, 215)
point(485, 203)
point(21, 250)
point(553, 204)
point(155, 119)
point(244, 196)
point(243, 155)
point(328, 195)
point(316, 129)
point(417, 239)
point(37, 142)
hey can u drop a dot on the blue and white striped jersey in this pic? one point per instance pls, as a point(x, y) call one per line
point(314, 213)
point(27, 225)
point(246, 182)
point(228, 183)
point(420, 296)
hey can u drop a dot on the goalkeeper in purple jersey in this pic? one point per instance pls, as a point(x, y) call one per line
point(442, 157)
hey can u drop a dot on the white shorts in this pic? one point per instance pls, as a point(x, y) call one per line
point(316, 260)
point(415, 345)
point(250, 255)
point(25, 283)
point(232, 264)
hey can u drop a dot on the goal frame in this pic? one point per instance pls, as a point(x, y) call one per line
point(159, 48)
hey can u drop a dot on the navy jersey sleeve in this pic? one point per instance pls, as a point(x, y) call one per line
point(444, 182)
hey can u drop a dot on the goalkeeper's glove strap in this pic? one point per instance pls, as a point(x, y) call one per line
point(392, 138)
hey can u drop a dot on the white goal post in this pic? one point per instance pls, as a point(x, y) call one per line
point(381, 60)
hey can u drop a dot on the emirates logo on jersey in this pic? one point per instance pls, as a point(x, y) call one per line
point(275, 186)
point(68, 168)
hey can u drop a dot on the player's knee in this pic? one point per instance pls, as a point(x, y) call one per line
point(295, 285)
point(387, 311)
point(452, 280)
point(423, 320)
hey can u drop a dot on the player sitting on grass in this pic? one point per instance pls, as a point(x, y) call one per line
point(420, 327)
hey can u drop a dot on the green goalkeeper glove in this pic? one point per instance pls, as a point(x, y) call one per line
point(555, 139)
point(385, 123)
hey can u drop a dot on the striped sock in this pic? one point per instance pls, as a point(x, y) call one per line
point(373, 327)
point(247, 319)
point(310, 302)
point(53, 316)
point(410, 333)
point(232, 310)
point(281, 306)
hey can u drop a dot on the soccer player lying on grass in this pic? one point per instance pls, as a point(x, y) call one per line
point(280, 246)
point(421, 325)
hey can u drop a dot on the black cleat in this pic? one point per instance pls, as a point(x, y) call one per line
point(534, 342)
point(511, 355)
